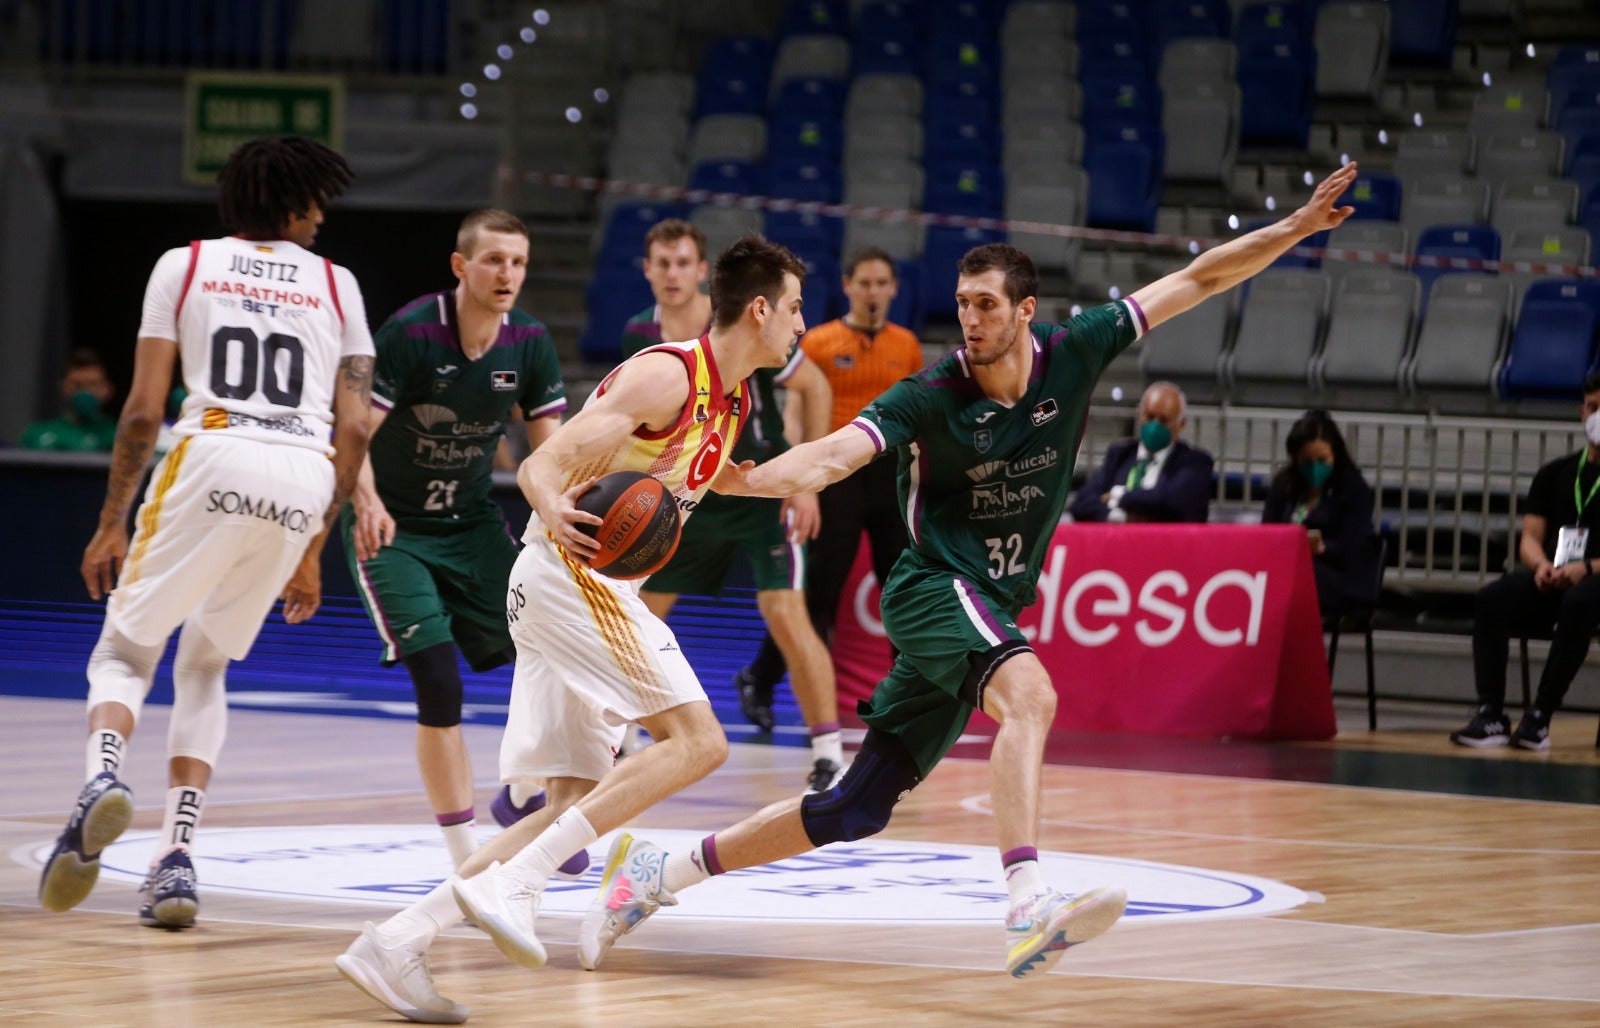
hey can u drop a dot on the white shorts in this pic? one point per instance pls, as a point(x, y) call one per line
point(591, 658)
point(223, 525)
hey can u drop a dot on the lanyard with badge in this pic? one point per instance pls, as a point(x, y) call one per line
point(1572, 541)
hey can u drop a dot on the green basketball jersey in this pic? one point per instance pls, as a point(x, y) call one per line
point(434, 454)
point(982, 485)
point(762, 437)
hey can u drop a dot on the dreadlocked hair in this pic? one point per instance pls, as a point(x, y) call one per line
point(267, 180)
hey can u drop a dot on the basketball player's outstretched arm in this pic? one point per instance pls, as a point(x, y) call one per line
point(137, 429)
point(807, 468)
point(647, 391)
point(1224, 267)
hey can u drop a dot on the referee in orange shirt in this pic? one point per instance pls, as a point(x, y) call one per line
point(862, 354)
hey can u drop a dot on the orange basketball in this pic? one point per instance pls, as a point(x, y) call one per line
point(640, 526)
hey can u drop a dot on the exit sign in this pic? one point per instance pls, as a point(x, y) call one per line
point(227, 109)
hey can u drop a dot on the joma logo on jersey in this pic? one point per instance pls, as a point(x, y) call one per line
point(706, 463)
point(503, 381)
point(292, 518)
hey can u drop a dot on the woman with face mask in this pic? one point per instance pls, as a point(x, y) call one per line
point(1321, 489)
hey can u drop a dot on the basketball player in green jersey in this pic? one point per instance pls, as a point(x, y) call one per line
point(986, 441)
point(426, 544)
point(770, 533)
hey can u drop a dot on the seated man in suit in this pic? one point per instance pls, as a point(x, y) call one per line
point(1154, 477)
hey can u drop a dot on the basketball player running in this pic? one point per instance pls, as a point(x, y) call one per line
point(591, 658)
point(986, 439)
point(277, 359)
point(423, 537)
point(772, 534)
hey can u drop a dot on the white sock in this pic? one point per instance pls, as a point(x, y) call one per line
point(423, 920)
point(566, 835)
point(684, 868)
point(522, 792)
point(461, 840)
point(1024, 880)
point(180, 819)
point(828, 746)
point(104, 752)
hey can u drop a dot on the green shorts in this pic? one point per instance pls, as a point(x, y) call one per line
point(951, 636)
point(439, 582)
point(721, 527)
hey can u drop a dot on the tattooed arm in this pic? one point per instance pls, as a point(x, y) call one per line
point(136, 438)
point(352, 429)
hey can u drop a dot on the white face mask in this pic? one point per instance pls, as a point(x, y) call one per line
point(1591, 427)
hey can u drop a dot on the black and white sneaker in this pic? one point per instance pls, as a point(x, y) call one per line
point(1487, 728)
point(103, 811)
point(170, 899)
point(754, 700)
point(1533, 732)
point(825, 774)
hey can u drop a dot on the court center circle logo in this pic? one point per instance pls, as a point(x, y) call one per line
point(871, 881)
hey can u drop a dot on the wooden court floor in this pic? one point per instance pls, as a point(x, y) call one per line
point(1437, 903)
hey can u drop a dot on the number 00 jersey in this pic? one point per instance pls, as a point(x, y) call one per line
point(261, 327)
point(981, 484)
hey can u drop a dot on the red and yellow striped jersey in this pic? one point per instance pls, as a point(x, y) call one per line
point(687, 455)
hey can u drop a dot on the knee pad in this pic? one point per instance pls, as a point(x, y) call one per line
point(121, 671)
point(199, 698)
point(860, 805)
point(436, 682)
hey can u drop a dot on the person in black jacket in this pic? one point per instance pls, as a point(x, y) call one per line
point(1556, 586)
point(1322, 489)
point(1154, 477)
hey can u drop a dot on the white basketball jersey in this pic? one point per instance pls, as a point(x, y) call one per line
point(261, 328)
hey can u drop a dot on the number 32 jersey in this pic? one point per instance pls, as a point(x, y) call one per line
point(261, 327)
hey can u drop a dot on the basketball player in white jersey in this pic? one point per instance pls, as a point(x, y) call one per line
point(277, 361)
point(591, 658)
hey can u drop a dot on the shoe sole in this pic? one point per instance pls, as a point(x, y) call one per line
point(69, 877)
point(509, 942)
point(1087, 918)
point(1480, 744)
point(360, 974)
point(174, 914)
point(1530, 745)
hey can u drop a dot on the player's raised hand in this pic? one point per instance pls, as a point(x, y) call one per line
point(303, 593)
point(1319, 212)
point(103, 559)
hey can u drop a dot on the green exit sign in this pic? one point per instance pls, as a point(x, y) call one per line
point(227, 109)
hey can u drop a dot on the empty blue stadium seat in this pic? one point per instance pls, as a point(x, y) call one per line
point(1470, 241)
point(815, 17)
point(1182, 19)
point(1125, 177)
point(1589, 215)
point(415, 33)
point(820, 181)
point(809, 98)
point(1554, 343)
point(1568, 83)
point(1271, 23)
point(1577, 53)
point(975, 189)
point(906, 308)
point(1277, 94)
point(944, 248)
point(884, 56)
point(954, 55)
point(1583, 161)
point(822, 294)
point(616, 293)
point(726, 177)
point(1423, 32)
point(1101, 22)
point(1116, 102)
point(625, 229)
point(969, 140)
point(1374, 194)
point(732, 90)
point(807, 234)
point(804, 139)
point(1580, 114)
point(959, 97)
point(1114, 59)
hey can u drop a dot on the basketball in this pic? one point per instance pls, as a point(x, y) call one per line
point(640, 526)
